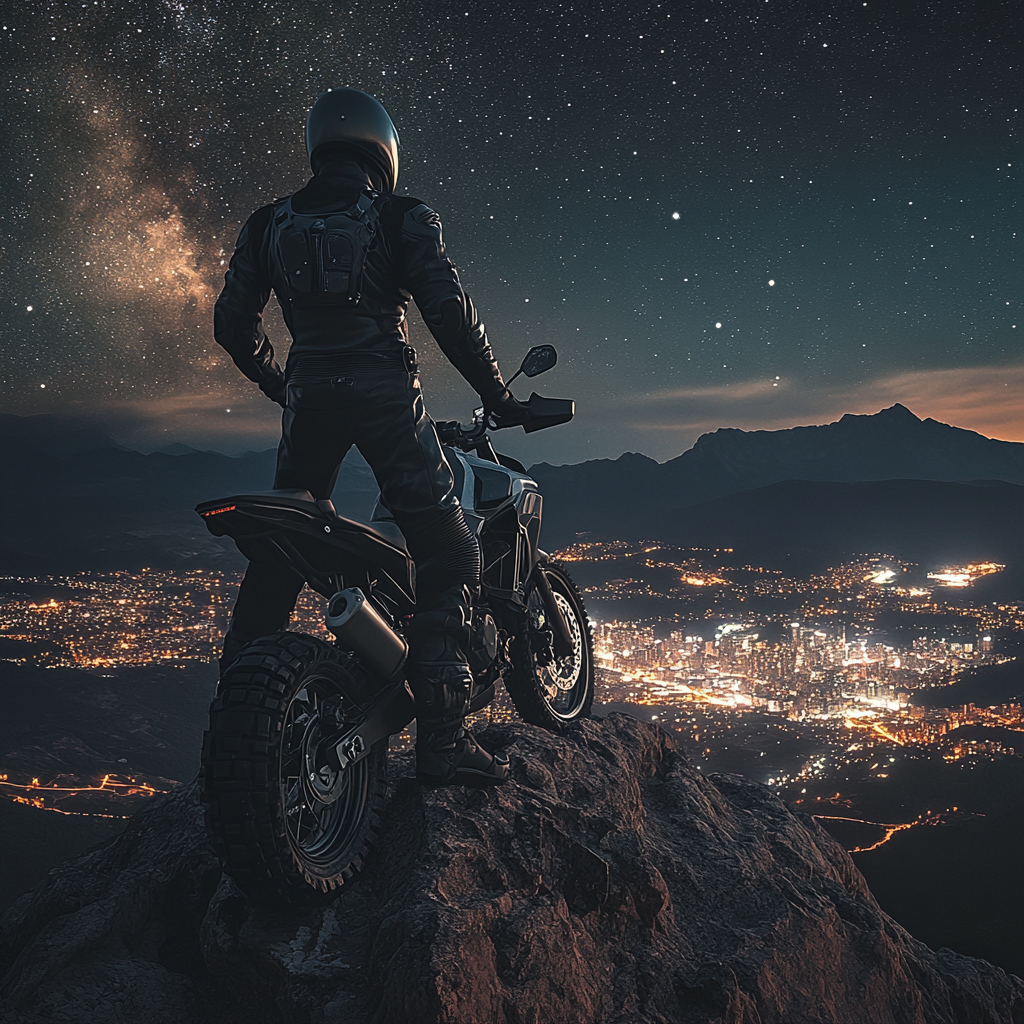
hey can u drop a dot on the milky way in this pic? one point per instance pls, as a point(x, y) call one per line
point(835, 185)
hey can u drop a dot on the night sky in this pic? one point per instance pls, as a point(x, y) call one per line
point(753, 214)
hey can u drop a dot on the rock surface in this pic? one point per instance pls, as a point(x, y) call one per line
point(610, 881)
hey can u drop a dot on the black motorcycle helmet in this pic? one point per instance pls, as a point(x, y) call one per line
point(352, 123)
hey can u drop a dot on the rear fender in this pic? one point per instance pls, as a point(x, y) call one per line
point(317, 543)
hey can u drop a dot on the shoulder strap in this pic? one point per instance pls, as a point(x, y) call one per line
point(368, 208)
point(282, 210)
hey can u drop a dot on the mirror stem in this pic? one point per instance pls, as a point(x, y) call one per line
point(508, 383)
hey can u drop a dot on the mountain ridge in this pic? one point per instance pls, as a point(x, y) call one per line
point(108, 507)
point(809, 524)
point(940, 451)
point(129, 509)
point(600, 498)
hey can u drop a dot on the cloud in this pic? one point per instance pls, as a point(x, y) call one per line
point(201, 420)
point(989, 399)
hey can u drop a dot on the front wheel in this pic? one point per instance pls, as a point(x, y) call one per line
point(284, 822)
point(549, 691)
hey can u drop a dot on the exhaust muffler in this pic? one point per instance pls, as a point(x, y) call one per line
point(361, 630)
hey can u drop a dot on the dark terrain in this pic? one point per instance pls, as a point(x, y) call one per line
point(138, 719)
point(985, 686)
point(806, 526)
point(609, 881)
point(35, 842)
point(67, 724)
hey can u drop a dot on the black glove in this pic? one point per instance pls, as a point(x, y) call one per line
point(276, 390)
point(503, 410)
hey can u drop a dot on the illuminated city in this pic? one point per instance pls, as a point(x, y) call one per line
point(740, 658)
point(121, 618)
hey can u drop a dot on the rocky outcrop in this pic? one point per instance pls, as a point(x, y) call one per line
point(611, 881)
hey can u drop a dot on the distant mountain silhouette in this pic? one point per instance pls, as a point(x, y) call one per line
point(626, 497)
point(178, 449)
point(77, 500)
point(890, 481)
point(53, 434)
point(889, 445)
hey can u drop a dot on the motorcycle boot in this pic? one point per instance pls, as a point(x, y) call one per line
point(264, 605)
point(233, 647)
point(447, 753)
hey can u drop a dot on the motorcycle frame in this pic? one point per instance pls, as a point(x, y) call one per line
point(517, 516)
point(503, 508)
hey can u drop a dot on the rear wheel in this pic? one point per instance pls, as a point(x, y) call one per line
point(549, 691)
point(284, 822)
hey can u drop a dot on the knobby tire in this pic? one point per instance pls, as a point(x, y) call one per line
point(241, 766)
point(525, 682)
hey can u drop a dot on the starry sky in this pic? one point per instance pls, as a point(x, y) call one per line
point(753, 213)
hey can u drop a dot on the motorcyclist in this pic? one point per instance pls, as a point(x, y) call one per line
point(344, 255)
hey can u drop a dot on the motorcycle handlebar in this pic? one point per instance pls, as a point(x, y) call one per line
point(548, 412)
point(449, 431)
point(541, 413)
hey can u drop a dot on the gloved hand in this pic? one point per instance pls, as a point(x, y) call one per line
point(277, 391)
point(503, 410)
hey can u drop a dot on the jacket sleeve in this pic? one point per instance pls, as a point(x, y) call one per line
point(447, 310)
point(237, 316)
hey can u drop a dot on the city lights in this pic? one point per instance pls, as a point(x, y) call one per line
point(707, 675)
point(957, 576)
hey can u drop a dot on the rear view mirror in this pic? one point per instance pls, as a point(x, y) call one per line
point(538, 360)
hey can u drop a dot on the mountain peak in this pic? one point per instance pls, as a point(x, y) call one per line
point(896, 414)
point(899, 412)
point(177, 448)
point(635, 459)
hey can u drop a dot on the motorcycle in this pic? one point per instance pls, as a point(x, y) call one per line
point(294, 777)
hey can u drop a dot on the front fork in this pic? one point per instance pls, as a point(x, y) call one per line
point(561, 639)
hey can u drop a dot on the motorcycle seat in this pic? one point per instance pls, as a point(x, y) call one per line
point(284, 495)
point(385, 530)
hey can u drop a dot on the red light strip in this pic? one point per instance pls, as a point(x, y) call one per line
point(217, 511)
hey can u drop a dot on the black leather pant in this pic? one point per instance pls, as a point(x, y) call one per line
point(381, 412)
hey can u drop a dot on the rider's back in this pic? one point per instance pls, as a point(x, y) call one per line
point(404, 258)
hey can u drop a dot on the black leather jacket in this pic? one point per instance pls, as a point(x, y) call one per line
point(407, 260)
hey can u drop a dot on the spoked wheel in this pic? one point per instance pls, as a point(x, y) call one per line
point(284, 822)
point(546, 690)
point(323, 808)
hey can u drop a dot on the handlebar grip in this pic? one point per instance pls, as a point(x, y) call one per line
point(548, 412)
point(447, 430)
